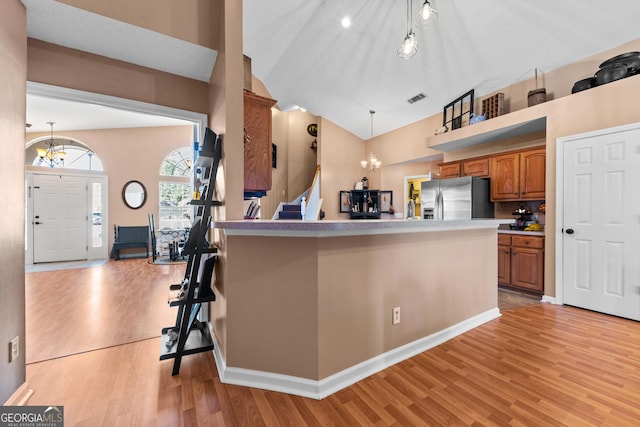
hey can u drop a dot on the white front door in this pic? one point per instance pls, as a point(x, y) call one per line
point(59, 218)
point(600, 242)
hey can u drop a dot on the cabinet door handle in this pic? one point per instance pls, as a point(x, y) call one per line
point(526, 242)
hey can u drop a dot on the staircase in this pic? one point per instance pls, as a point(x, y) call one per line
point(290, 211)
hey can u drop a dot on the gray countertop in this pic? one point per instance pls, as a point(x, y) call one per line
point(331, 228)
point(504, 229)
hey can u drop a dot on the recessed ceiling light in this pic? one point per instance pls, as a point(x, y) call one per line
point(346, 22)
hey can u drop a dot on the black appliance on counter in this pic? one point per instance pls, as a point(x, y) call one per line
point(524, 216)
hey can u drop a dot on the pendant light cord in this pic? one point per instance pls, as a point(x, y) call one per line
point(408, 17)
point(372, 112)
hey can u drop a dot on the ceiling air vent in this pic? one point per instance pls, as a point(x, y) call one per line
point(417, 98)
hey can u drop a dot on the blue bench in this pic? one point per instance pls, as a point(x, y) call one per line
point(130, 237)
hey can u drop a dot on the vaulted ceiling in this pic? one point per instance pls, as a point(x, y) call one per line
point(305, 57)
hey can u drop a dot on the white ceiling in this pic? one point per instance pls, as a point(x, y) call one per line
point(305, 58)
point(70, 115)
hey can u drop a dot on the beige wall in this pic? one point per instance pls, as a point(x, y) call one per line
point(339, 155)
point(13, 77)
point(226, 117)
point(317, 306)
point(60, 66)
point(130, 154)
point(189, 20)
point(302, 159)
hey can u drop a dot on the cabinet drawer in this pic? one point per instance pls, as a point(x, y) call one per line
point(528, 241)
point(504, 239)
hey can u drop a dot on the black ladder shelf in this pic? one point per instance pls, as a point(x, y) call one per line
point(190, 335)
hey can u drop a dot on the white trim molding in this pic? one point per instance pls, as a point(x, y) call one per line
point(559, 235)
point(320, 389)
point(21, 396)
point(548, 299)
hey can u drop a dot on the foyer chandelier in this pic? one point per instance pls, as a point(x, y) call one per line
point(427, 16)
point(372, 163)
point(52, 154)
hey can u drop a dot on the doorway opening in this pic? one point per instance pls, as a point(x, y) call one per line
point(412, 192)
point(66, 217)
point(97, 284)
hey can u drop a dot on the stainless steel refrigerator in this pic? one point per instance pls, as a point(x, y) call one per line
point(456, 199)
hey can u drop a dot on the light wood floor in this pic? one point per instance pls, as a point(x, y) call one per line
point(540, 365)
point(70, 311)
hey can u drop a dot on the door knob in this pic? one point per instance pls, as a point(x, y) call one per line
point(569, 231)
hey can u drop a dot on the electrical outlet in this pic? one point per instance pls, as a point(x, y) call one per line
point(396, 316)
point(14, 347)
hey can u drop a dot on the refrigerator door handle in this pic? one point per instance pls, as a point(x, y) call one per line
point(440, 206)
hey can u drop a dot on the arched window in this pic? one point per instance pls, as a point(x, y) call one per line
point(176, 193)
point(177, 163)
point(76, 155)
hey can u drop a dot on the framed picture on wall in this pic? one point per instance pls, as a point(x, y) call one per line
point(386, 200)
point(345, 201)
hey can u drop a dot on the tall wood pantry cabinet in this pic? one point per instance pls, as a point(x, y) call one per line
point(257, 142)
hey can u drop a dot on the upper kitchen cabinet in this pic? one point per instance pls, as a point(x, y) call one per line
point(257, 142)
point(449, 170)
point(532, 174)
point(470, 167)
point(475, 167)
point(518, 175)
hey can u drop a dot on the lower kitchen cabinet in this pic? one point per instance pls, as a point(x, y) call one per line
point(521, 262)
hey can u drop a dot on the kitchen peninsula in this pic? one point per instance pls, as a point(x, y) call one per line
point(308, 304)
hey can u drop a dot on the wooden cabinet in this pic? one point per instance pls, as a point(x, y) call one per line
point(532, 174)
point(504, 259)
point(521, 262)
point(449, 170)
point(475, 167)
point(257, 142)
point(518, 175)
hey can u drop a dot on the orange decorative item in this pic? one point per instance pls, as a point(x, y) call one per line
point(542, 207)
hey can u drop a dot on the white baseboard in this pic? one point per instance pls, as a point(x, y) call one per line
point(548, 299)
point(327, 386)
point(20, 396)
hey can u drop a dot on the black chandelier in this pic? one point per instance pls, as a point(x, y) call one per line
point(52, 154)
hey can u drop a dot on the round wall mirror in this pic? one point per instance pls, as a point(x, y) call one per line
point(134, 194)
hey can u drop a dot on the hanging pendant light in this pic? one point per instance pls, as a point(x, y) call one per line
point(372, 163)
point(409, 46)
point(427, 15)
